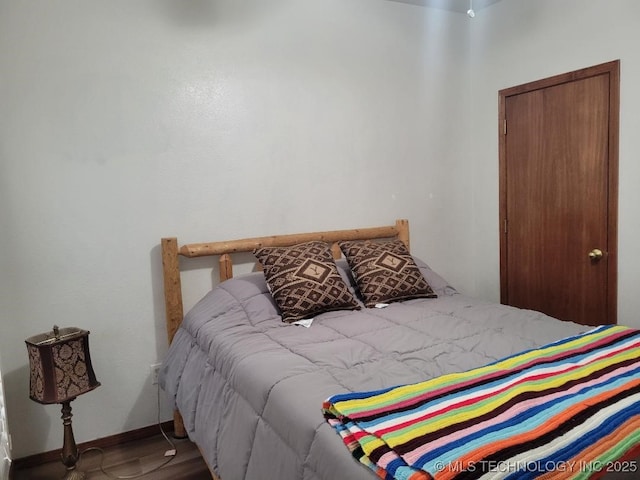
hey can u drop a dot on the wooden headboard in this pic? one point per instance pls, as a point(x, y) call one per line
point(171, 253)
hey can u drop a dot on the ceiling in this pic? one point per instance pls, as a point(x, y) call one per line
point(453, 5)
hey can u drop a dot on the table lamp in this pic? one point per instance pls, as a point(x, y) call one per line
point(61, 370)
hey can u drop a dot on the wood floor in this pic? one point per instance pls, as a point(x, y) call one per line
point(128, 459)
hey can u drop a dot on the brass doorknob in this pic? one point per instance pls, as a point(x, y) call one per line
point(595, 254)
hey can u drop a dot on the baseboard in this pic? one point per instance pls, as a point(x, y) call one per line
point(106, 442)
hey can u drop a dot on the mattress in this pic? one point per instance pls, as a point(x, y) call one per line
point(251, 388)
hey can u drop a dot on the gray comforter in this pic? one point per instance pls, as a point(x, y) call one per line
point(250, 387)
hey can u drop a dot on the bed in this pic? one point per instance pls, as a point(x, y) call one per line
point(262, 397)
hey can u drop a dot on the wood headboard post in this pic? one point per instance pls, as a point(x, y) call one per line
point(173, 306)
point(172, 286)
point(335, 251)
point(226, 267)
point(403, 232)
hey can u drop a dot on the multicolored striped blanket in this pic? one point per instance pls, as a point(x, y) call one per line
point(570, 409)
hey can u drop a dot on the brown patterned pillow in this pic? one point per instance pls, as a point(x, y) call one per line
point(385, 271)
point(304, 280)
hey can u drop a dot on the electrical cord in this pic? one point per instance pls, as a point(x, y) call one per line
point(171, 454)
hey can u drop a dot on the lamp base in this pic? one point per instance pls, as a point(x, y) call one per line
point(74, 475)
point(70, 454)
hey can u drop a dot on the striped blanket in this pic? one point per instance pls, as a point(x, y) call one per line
point(570, 409)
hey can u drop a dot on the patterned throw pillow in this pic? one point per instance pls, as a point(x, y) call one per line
point(385, 271)
point(304, 280)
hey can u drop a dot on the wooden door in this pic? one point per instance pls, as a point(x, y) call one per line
point(558, 195)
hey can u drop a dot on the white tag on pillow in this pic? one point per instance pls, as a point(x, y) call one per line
point(381, 305)
point(305, 323)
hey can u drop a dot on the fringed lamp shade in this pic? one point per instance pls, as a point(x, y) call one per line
point(60, 365)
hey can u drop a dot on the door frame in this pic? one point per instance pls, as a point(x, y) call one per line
point(613, 70)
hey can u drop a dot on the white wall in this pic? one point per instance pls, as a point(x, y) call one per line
point(122, 122)
point(518, 41)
